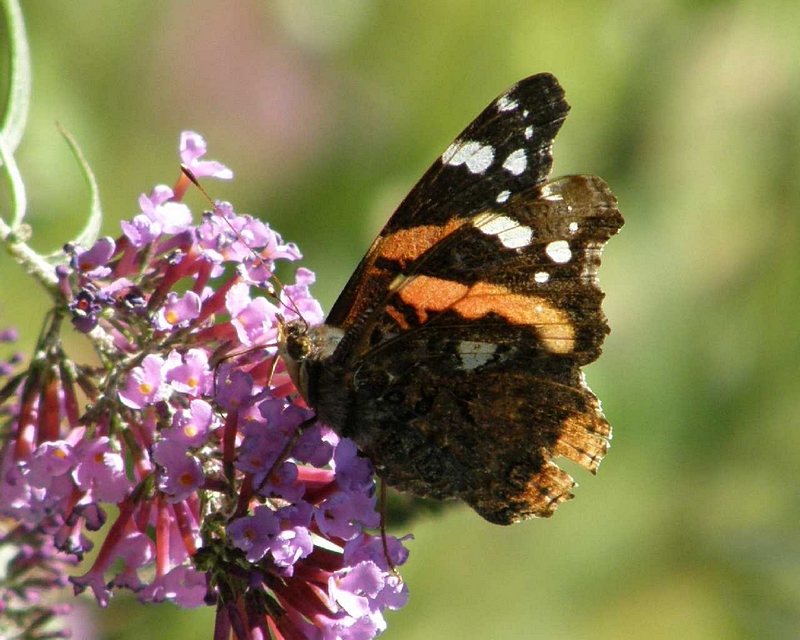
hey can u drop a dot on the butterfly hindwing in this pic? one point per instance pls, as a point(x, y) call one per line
point(446, 425)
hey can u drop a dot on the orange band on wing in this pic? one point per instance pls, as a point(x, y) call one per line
point(395, 315)
point(406, 245)
point(553, 326)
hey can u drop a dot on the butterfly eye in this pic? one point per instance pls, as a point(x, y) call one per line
point(298, 342)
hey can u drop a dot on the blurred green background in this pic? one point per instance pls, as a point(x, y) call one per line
point(328, 112)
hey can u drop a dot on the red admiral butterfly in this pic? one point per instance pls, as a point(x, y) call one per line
point(452, 357)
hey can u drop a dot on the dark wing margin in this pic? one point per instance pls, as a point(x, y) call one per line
point(505, 150)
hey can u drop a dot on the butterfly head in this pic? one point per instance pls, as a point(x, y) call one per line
point(301, 347)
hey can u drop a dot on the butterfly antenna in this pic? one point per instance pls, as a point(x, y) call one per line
point(291, 306)
point(188, 173)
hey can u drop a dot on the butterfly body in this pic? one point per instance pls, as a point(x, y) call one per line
point(452, 357)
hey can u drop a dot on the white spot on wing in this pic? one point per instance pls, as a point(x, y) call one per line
point(559, 251)
point(516, 162)
point(492, 224)
point(548, 193)
point(525, 113)
point(450, 152)
point(478, 157)
point(573, 227)
point(504, 103)
point(475, 354)
point(516, 238)
point(541, 277)
point(592, 254)
point(503, 196)
point(481, 160)
point(511, 233)
point(528, 132)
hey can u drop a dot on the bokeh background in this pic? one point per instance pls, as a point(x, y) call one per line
point(328, 112)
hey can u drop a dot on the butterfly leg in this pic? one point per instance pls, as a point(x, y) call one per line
point(384, 538)
point(287, 449)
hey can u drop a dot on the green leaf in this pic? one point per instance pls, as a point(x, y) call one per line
point(88, 236)
point(19, 91)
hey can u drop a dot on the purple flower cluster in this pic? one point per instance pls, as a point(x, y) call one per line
point(227, 491)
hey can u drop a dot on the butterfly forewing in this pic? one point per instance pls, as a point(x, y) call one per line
point(505, 150)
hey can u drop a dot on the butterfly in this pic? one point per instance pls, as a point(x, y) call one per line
point(453, 356)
